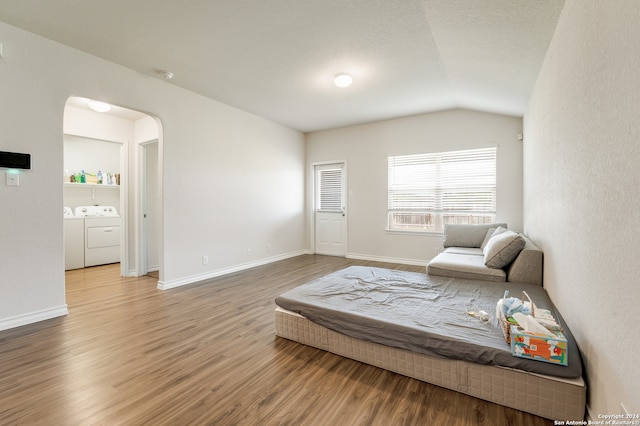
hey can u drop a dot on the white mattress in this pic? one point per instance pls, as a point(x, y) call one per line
point(545, 396)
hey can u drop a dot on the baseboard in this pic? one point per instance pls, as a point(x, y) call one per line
point(415, 262)
point(134, 273)
point(165, 285)
point(32, 317)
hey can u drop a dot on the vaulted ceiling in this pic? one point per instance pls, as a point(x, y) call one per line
point(278, 58)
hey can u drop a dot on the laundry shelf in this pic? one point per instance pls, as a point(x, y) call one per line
point(89, 185)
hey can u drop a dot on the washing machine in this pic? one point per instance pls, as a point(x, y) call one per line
point(73, 240)
point(101, 234)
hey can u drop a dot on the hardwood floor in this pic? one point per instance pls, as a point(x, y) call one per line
point(130, 354)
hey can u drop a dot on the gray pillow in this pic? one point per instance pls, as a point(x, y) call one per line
point(502, 249)
point(467, 235)
point(488, 237)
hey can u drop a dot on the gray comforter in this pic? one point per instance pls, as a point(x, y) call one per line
point(422, 313)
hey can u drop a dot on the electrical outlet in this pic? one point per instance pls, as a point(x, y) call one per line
point(205, 260)
point(249, 252)
point(268, 247)
point(437, 250)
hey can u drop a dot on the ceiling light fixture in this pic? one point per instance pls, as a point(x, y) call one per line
point(343, 80)
point(98, 106)
point(168, 75)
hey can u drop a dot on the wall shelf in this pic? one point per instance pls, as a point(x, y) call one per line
point(89, 185)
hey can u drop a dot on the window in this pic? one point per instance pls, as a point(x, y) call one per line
point(329, 179)
point(427, 191)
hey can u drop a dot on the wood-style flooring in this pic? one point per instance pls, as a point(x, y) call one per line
point(206, 354)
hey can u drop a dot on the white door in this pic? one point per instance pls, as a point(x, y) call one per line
point(149, 209)
point(152, 206)
point(330, 209)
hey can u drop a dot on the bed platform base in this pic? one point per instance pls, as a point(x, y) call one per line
point(545, 396)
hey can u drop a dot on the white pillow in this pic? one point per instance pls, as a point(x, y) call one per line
point(492, 232)
point(502, 248)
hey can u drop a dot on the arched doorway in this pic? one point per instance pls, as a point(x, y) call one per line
point(129, 184)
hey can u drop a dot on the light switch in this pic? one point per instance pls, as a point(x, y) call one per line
point(13, 179)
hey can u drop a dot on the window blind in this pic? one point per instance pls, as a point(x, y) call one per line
point(441, 186)
point(330, 190)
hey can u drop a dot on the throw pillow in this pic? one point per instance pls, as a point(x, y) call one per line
point(502, 249)
point(487, 237)
point(492, 232)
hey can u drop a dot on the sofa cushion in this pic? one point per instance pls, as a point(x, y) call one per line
point(466, 266)
point(465, 250)
point(502, 249)
point(467, 235)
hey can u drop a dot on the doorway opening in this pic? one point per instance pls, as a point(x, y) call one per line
point(112, 186)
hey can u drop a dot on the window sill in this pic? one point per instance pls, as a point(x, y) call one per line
point(413, 232)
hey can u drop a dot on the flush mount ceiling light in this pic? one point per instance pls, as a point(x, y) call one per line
point(98, 106)
point(343, 80)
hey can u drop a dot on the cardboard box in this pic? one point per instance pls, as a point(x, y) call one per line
point(539, 347)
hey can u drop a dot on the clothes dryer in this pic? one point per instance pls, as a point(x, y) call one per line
point(101, 234)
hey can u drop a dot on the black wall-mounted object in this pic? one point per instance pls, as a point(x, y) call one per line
point(14, 160)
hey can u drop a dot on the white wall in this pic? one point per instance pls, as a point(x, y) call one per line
point(231, 180)
point(581, 185)
point(91, 155)
point(237, 183)
point(366, 148)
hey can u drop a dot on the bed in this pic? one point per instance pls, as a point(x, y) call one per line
point(418, 325)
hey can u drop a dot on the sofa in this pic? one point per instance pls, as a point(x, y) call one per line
point(489, 252)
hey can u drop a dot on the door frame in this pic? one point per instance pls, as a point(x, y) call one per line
point(313, 203)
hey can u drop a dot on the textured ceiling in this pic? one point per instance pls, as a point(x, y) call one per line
point(277, 58)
